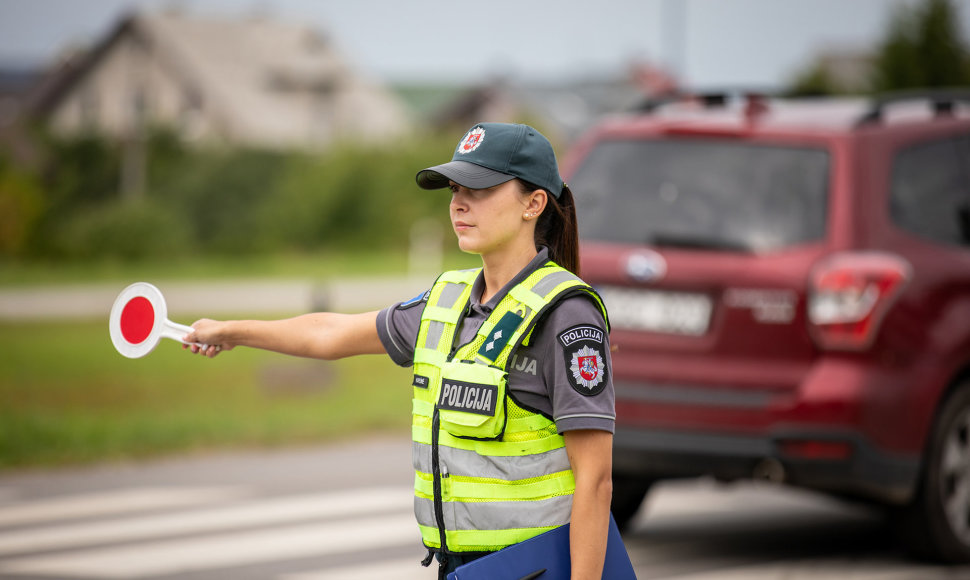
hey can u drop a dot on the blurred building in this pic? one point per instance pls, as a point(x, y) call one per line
point(849, 70)
point(16, 84)
point(563, 110)
point(249, 81)
point(835, 71)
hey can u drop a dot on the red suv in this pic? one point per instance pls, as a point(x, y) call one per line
point(789, 290)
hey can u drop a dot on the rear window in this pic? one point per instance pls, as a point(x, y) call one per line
point(704, 194)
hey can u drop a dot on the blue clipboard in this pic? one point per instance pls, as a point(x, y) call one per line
point(545, 557)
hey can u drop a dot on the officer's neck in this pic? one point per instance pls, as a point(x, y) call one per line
point(501, 266)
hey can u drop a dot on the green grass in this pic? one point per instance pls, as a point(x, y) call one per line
point(67, 397)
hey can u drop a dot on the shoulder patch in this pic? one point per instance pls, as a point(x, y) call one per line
point(584, 350)
point(414, 301)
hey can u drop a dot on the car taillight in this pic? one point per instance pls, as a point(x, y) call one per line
point(850, 293)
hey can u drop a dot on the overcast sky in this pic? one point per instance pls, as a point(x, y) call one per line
point(709, 42)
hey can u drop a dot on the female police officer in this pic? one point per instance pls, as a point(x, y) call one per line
point(512, 414)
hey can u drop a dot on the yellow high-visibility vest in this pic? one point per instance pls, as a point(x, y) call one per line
point(488, 473)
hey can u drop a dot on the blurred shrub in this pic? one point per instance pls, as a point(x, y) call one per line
point(218, 194)
point(80, 171)
point(126, 231)
point(21, 205)
point(230, 201)
point(353, 196)
point(78, 174)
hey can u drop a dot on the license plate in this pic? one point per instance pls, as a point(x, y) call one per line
point(657, 311)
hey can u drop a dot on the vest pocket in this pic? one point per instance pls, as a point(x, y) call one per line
point(471, 402)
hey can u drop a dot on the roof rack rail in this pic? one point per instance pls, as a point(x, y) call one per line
point(942, 101)
point(709, 99)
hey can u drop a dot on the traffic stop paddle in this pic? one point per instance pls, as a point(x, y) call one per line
point(139, 320)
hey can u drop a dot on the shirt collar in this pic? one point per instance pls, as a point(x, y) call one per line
point(479, 286)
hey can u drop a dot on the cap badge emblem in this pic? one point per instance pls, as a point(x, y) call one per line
point(472, 140)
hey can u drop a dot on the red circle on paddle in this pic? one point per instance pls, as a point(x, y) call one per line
point(137, 320)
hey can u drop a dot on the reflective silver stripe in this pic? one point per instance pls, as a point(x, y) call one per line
point(549, 283)
point(505, 515)
point(507, 468)
point(424, 512)
point(593, 415)
point(421, 457)
point(450, 294)
point(497, 515)
point(435, 329)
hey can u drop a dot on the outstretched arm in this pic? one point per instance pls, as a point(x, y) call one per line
point(323, 335)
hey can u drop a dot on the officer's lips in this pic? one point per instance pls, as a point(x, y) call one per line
point(461, 226)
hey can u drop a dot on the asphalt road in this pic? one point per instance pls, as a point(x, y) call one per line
point(343, 511)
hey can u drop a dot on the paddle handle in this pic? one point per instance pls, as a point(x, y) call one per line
point(176, 331)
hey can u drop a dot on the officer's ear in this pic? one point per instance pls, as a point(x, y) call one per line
point(535, 203)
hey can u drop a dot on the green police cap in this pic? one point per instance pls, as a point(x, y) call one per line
point(493, 153)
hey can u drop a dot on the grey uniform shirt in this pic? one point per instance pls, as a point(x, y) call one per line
point(566, 371)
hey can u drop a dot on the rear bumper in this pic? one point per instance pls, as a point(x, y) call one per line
point(865, 471)
point(841, 424)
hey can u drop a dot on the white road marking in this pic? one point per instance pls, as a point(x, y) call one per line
point(112, 502)
point(269, 511)
point(402, 569)
point(677, 500)
point(236, 549)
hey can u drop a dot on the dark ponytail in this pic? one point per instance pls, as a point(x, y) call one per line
point(556, 228)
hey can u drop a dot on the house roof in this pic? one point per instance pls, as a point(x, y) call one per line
point(251, 67)
point(253, 70)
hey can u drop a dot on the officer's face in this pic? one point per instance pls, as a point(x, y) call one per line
point(489, 220)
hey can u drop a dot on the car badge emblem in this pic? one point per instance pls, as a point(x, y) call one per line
point(646, 266)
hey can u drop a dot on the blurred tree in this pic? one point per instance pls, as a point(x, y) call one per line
point(79, 190)
point(219, 195)
point(814, 81)
point(922, 48)
point(126, 230)
point(21, 205)
point(80, 171)
point(224, 200)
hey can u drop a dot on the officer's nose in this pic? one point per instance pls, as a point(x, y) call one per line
point(459, 200)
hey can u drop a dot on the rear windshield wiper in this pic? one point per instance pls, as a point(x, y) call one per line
point(697, 242)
